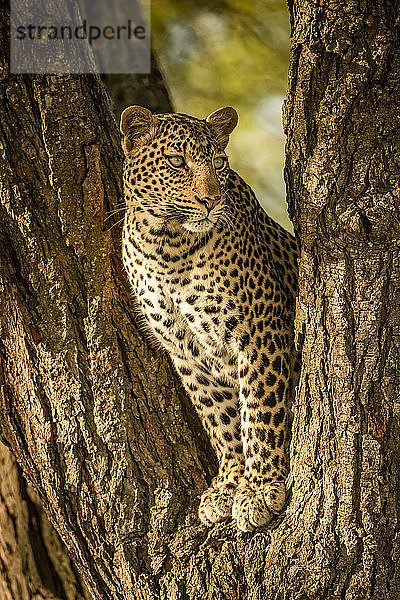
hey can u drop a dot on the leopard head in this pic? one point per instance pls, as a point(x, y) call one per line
point(176, 167)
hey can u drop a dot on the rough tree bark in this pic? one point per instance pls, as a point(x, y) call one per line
point(33, 559)
point(340, 535)
point(95, 417)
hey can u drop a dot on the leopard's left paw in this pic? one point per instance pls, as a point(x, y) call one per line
point(254, 505)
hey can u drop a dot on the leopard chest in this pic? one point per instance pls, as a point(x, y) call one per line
point(184, 308)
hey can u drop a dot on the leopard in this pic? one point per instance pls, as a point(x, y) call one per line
point(215, 279)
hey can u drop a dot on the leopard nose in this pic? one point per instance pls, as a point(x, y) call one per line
point(209, 201)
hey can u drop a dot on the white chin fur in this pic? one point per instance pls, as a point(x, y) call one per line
point(198, 226)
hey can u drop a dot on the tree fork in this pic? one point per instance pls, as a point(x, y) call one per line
point(96, 418)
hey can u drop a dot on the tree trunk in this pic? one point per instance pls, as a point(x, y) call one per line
point(340, 535)
point(33, 561)
point(96, 418)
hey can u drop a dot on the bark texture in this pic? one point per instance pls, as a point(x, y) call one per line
point(96, 418)
point(33, 560)
point(340, 535)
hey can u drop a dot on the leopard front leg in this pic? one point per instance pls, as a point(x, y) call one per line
point(265, 389)
point(218, 408)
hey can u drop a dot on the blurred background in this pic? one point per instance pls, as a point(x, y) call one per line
point(230, 52)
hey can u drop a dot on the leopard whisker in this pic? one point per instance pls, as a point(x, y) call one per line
point(114, 212)
point(115, 224)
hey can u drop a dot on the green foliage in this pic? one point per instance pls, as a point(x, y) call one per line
point(228, 52)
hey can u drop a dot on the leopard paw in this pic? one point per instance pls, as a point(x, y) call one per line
point(216, 504)
point(254, 506)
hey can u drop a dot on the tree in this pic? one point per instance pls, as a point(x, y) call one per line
point(96, 418)
point(338, 539)
point(34, 562)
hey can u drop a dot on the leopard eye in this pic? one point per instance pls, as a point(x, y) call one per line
point(176, 161)
point(219, 162)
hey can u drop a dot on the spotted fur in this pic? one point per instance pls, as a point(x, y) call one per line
point(215, 278)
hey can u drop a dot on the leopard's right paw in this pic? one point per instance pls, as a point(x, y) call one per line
point(216, 504)
point(255, 505)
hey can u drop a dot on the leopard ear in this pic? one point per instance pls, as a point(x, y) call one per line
point(223, 121)
point(137, 125)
